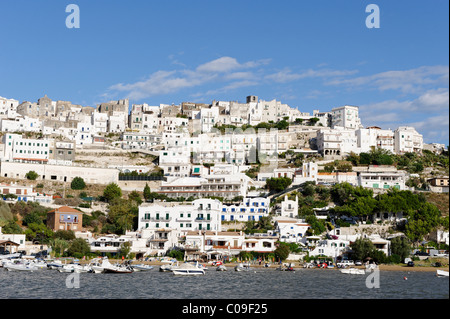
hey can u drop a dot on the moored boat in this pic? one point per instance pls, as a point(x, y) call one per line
point(141, 267)
point(353, 271)
point(441, 273)
point(115, 269)
point(221, 268)
point(188, 269)
point(20, 265)
point(242, 267)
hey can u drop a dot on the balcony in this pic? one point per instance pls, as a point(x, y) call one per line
point(153, 219)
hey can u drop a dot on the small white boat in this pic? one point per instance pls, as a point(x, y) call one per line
point(56, 264)
point(10, 256)
point(97, 266)
point(141, 267)
point(221, 268)
point(40, 264)
point(167, 268)
point(109, 268)
point(353, 271)
point(441, 273)
point(188, 269)
point(19, 265)
point(69, 268)
point(242, 267)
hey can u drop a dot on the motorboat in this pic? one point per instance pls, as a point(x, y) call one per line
point(10, 256)
point(221, 268)
point(242, 267)
point(441, 273)
point(20, 265)
point(76, 268)
point(116, 269)
point(97, 267)
point(166, 267)
point(353, 271)
point(40, 264)
point(55, 264)
point(141, 267)
point(188, 269)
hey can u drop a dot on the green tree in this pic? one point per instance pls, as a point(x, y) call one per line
point(282, 125)
point(112, 191)
point(59, 245)
point(78, 183)
point(344, 167)
point(362, 248)
point(134, 195)
point(32, 218)
point(147, 192)
point(177, 254)
point(282, 251)
point(317, 227)
point(65, 234)
point(401, 246)
point(32, 175)
point(5, 211)
point(313, 121)
point(278, 184)
point(122, 214)
point(38, 232)
point(10, 227)
point(78, 247)
point(125, 249)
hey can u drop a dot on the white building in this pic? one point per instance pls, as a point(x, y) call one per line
point(307, 173)
point(383, 180)
point(209, 118)
point(61, 173)
point(99, 122)
point(21, 124)
point(407, 140)
point(330, 248)
point(291, 230)
point(336, 143)
point(227, 186)
point(17, 148)
point(140, 140)
point(7, 105)
point(375, 137)
point(213, 244)
point(201, 214)
point(289, 208)
point(16, 238)
point(251, 209)
point(346, 116)
point(175, 162)
point(117, 122)
point(157, 241)
point(262, 243)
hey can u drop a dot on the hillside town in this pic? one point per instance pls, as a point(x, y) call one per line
point(214, 181)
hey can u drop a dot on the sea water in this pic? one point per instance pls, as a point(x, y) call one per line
point(254, 284)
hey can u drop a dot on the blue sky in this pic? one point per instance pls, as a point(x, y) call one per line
point(308, 54)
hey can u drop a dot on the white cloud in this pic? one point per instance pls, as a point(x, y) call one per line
point(407, 81)
point(286, 74)
point(427, 113)
point(221, 70)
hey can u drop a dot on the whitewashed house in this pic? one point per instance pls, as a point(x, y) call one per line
point(201, 214)
point(251, 209)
